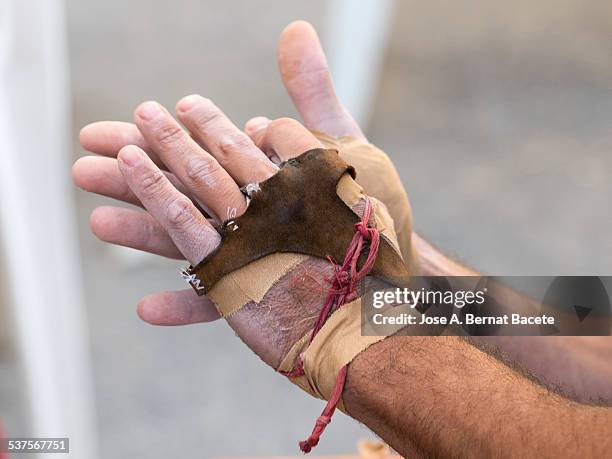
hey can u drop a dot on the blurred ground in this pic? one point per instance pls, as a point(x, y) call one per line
point(498, 119)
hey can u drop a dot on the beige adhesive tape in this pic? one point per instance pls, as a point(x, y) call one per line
point(352, 195)
point(336, 345)
point(251, 282)
point(379, 179)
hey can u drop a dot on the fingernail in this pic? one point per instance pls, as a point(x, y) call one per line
point(187, 103)
point(149, 111)
point(131, 156)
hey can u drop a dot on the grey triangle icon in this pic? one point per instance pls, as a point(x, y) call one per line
point(581, 312)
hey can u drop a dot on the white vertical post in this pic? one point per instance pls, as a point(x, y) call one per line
point(38, 231)
point(356, 37)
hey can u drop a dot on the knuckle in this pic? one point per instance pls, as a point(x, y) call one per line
point(179, 212)
point(152, 183)
point(168, 134)
point(201, 167)
point(234, 142)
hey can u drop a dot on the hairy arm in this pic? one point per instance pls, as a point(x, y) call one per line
point(577, 366)
point(442, 397)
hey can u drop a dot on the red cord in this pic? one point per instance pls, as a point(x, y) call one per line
point(344, 283)
point(326, 415)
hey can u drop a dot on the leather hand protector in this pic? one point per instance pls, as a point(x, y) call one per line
point(287, 274)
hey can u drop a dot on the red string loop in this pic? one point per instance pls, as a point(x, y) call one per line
point(343, 288)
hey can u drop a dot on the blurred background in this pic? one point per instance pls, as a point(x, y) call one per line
point(498, 116)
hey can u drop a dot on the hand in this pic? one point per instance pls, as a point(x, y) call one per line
point(308, 81)
point(212, 177)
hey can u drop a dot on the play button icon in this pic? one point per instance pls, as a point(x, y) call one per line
point(581, 312)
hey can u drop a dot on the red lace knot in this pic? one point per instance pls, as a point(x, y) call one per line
point(342, 278)
point(312, 441)
point(306, 446)
point(363, 228)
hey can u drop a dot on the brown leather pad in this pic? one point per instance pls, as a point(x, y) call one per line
point(297, 210)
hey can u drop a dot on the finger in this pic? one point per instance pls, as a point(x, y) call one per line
point(102, 176)
point(177, 308)
point(106, 138)
point(233, 149)
point(306, 76)
point(134, 229)
point(189, 230)
point(256, 124)
point(208, 182)
point(255, 129)
point(283, 138)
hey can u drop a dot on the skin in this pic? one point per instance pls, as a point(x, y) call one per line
point(172, 174)
point(482, 409)
point(579, 367)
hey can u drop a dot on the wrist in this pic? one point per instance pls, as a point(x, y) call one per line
point(373, 390)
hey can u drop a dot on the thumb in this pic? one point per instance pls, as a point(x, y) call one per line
point(306, 77)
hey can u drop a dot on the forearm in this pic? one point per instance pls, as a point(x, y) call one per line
point(440, 396)
point(578, 366)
